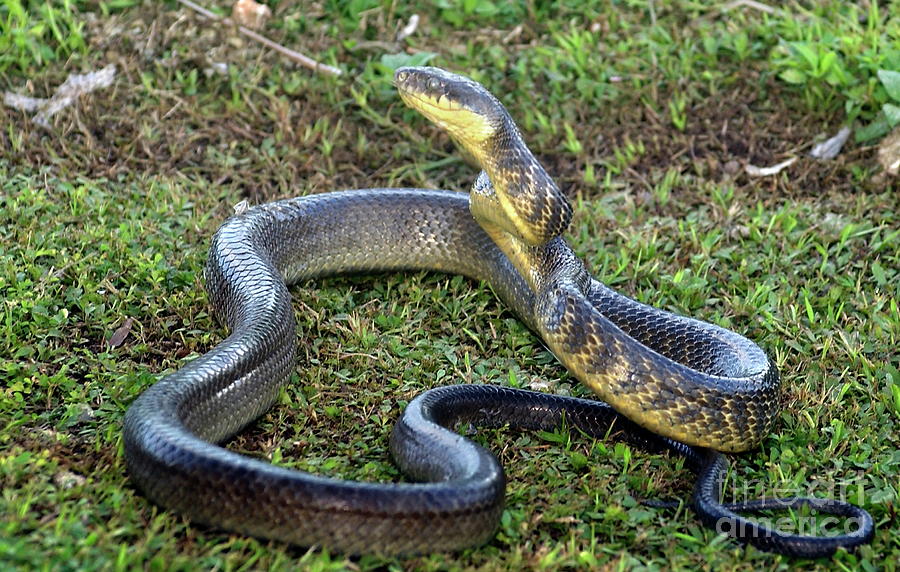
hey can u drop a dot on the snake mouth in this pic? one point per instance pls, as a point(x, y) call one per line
point(422, 101)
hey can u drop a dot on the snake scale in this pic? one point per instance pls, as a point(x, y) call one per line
point(670, 383)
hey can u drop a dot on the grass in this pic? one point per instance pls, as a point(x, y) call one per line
point(644, 112)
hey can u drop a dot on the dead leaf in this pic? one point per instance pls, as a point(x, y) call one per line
point(832, 147)
point(65, 95)
point(889, 153)
point(250, 14)
point(120, 334)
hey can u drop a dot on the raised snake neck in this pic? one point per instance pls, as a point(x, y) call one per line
point(170, 429)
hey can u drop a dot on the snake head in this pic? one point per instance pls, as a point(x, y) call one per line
point(528, 203)
point(455, 103)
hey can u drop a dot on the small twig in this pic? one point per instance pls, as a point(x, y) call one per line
point(750, 4)
point(755, 171)
point(286, 52)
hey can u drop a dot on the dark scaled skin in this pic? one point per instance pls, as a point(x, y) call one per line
point(685, 379)
point(171, 430)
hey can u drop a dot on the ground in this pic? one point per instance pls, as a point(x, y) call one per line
point(646, 113)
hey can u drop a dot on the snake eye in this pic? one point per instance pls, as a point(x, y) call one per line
point(434, 83)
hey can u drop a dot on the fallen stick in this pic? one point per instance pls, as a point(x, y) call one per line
point(304, 61)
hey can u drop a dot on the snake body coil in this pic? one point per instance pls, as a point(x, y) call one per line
point(670, 375)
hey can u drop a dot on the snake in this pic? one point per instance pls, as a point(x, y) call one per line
point(665, 382)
